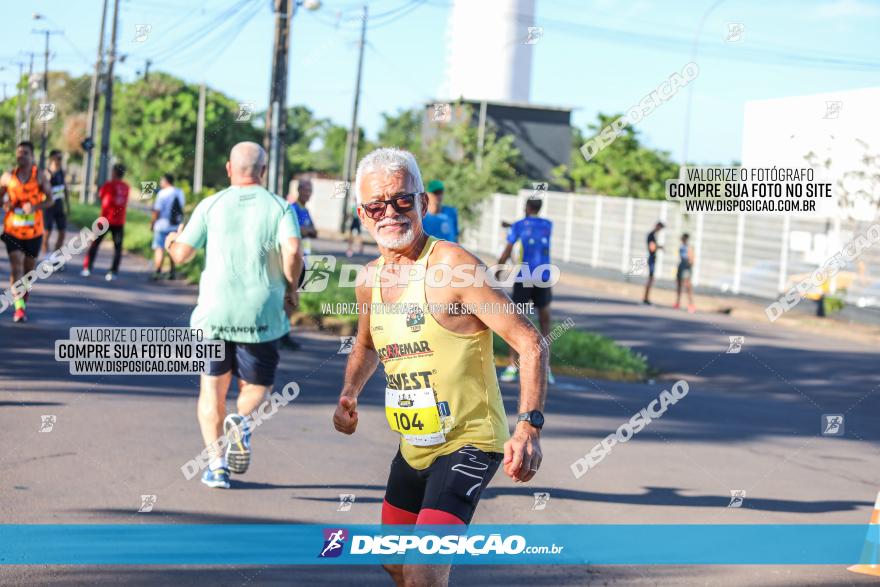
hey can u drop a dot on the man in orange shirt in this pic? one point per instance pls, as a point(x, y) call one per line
point(114, 199)
point(24, 193)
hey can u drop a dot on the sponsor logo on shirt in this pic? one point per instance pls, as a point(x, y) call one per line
point(415, 318)
point(419, 348)
point(409, 381)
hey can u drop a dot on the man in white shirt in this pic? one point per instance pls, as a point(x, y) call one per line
point(167, 217)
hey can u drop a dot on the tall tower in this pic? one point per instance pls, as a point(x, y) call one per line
point(488, 58)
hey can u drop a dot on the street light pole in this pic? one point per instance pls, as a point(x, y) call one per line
point(89, 142)
point(351, 145)
point(27, 104)
point(690, 89)
point(44, 134)
point(200, 143)
point(108, 101)
point(276, 114)
point(18, 102)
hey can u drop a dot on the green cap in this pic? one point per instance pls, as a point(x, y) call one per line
point(435, 185)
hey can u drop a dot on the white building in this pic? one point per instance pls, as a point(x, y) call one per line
point(840, 127)
point(490, 50)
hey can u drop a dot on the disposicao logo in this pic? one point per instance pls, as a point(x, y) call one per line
point(334, 542)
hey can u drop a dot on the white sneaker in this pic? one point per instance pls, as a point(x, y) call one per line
point(509, 374)
point(85, 273)
point(110, 276)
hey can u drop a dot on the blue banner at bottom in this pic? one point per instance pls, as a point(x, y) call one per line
point(286, 544)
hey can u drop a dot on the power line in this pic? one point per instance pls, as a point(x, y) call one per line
point(193, 36)
point(229, 34)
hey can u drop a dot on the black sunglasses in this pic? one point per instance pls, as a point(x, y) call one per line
point(404, 203)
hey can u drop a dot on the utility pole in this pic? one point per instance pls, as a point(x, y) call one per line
point(27, 105)
point(351, 147)
point(18, 102)
point(276, 116)
point(44, 135)
point(89, 143)
point(147, 70)
point(200, 142)
point(108, 101)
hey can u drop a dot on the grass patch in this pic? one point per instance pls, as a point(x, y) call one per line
point(586, 354)
point(311, 303)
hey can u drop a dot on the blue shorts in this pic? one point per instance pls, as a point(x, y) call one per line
point(251, 362)
point(652, 264)
point(159, 237)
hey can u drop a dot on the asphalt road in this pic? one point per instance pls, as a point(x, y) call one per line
point(751, 421)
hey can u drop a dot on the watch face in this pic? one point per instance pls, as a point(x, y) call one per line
point(536, 418)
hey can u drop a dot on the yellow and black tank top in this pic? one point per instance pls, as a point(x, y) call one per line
point(442, 391)
point(17, 223)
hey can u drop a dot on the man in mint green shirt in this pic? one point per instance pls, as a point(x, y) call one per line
point(253, 262)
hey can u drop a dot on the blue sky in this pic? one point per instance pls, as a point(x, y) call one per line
point(595, 55)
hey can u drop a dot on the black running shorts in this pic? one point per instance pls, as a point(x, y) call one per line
point(29, 246)
point(540, 296)
point(251, 362)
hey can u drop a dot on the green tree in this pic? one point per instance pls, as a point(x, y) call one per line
point(154, 129)
point(452, 156)
point(403, 130)
point(316, 145)
point(623, 168)
point(7, 133)
point(328, 158)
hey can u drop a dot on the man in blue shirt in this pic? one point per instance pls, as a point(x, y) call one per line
point(440, 221)
point(534, 235)
point(308, 232)
point(304, 193)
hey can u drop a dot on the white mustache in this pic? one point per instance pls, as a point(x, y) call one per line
point(397, 220)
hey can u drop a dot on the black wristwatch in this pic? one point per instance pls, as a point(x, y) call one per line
point(535, 418)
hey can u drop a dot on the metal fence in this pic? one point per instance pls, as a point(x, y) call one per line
point(760, 255)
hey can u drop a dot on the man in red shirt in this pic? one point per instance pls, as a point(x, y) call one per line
point(114, 199)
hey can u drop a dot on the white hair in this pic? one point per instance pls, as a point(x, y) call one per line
point(248, 158)
point(388, 161)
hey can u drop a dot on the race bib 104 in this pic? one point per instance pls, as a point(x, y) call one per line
point(414, 415)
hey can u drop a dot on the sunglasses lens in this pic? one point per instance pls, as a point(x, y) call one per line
point(404, 202)
point(374, 209)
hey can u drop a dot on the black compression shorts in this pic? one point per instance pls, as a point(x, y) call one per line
point(452, 484)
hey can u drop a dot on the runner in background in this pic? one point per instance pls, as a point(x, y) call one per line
point(308, 232)
point(114, 199)
point(167, 217)
point(533, 233)
point(252, 266)
point(354, 227)
point(306, 226)
point(440, 221)
point(56, 215)
point(653, 247)
point(25, 194)
point(683, 275)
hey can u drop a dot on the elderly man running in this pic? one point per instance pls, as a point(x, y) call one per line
point(252, 265)
point(442, 393)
